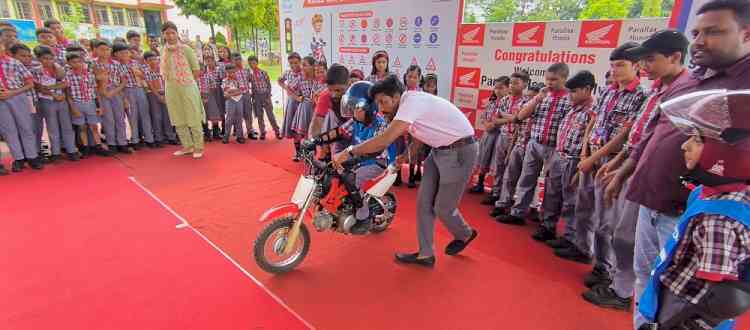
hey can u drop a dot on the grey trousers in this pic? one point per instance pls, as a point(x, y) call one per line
point(446, 173)
point(510, 177)
point(559, 196)
point(113, 121)
point(623, 244)
point(262, 105)
point(587, 208)
point(247, 111)
point(163, 129)
point(533, 161)
point(234, 118)
point(139, 115)
point(17, 127)
point(59, 125)
point(499, 157)
point(37, 124)
point(363, 174)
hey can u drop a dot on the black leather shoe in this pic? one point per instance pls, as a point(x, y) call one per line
point(263, 136)
point(3, 171)
point(241, 140)
point(412, 184)
point(252, 135)
point(559, 243)
point(413, 258)
point(571, 253)
point(457, 245)
point(511, 220)
point(17, 166)
point(124, 150)
point(597, 277)
point(543, 234)
point(605, 297)
point(37, 163)
point(498, 211)
point(73, 157)
point(533, 215)
point(490, 200)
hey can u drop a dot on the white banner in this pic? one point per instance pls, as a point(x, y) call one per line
point(349, 32)
point(488, 51)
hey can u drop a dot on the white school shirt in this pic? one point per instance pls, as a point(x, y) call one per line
point(433, 120)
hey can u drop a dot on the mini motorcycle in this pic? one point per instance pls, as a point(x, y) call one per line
point(329, 198)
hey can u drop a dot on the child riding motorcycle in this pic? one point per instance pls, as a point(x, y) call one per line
point(365, 124)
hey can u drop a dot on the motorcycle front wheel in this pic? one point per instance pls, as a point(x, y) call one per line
point(268, 248)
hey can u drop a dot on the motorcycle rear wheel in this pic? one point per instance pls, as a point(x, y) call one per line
point(276, 234)
point(389, 199)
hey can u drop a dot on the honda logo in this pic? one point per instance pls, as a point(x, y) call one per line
point(528, 34)
point(599, 34)
point(467, 77)
point(472, 34)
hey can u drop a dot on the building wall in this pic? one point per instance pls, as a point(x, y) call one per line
point(105, 19)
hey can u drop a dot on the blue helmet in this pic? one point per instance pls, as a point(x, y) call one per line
point(358, 96)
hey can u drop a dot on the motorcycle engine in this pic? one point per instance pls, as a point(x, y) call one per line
point(323, 221)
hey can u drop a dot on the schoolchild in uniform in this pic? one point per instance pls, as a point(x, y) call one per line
point(16, 124)
point(163, 131)
point(429, 84)
point(232, 88)
point(508, 136)
point(288, 82)
point(135, 96)
point(356, 75)
point(307, 87)
point(380, 67)
point(489, 137)
point(82, 97)
point(111, 83)
point(559, 194)
point(53, 105)
point(329, 111)
point(22, 53)
point(615, 110)
point(47, 38)
point(413, 82)
point(243, 77)
point(211, 94)
point(546, 112)
point(262, 98)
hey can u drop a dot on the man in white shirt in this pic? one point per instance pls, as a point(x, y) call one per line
point(439, 124)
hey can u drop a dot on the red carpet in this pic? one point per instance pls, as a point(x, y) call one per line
point(85, 248)
point(504, 280)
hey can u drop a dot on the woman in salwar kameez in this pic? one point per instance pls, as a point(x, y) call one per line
point(180, 69)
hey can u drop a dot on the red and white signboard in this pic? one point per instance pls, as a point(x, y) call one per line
point(488, 51)
point(349, 32)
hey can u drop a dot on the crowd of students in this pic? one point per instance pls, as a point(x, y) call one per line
point(96, 97)
point(613, 162)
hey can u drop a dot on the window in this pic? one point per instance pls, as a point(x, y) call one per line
point(23, 9)
point(45, 10)
point(118, 16)
point(64, 9)
point(4, 11)
point(102, 15)
point(85, 13)
point(134, 18)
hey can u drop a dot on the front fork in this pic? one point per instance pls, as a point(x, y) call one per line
point(294, 233)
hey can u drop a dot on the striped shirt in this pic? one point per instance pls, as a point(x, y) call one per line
point(614, 110)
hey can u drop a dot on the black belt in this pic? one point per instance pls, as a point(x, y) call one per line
point(459, 143)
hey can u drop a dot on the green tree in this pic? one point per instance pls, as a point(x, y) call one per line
point(652, 8)
point(208, 11)
point(602, 9)
point(72, 20)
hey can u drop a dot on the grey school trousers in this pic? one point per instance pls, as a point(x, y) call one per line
point(113, 121)
point(59, 125)
point(446, 173)
point(533, 161)
point(17, 127)
point(262, 105)
point(139, 115)
point(559, 195)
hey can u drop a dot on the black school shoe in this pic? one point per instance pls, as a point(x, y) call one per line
point(543, 234)
point(37, 163)
point(573, 254)
point(241, 140)
point(252, 135)
point(456, 246)
point(490, 200)
point(597, 277)
point(124, 150)
point(17, 166)
point(73, 157)
point(413, 258)
point(605, 297)
point(509, 219)
point(560, 243)
point(498, 211)
point(3, 171)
